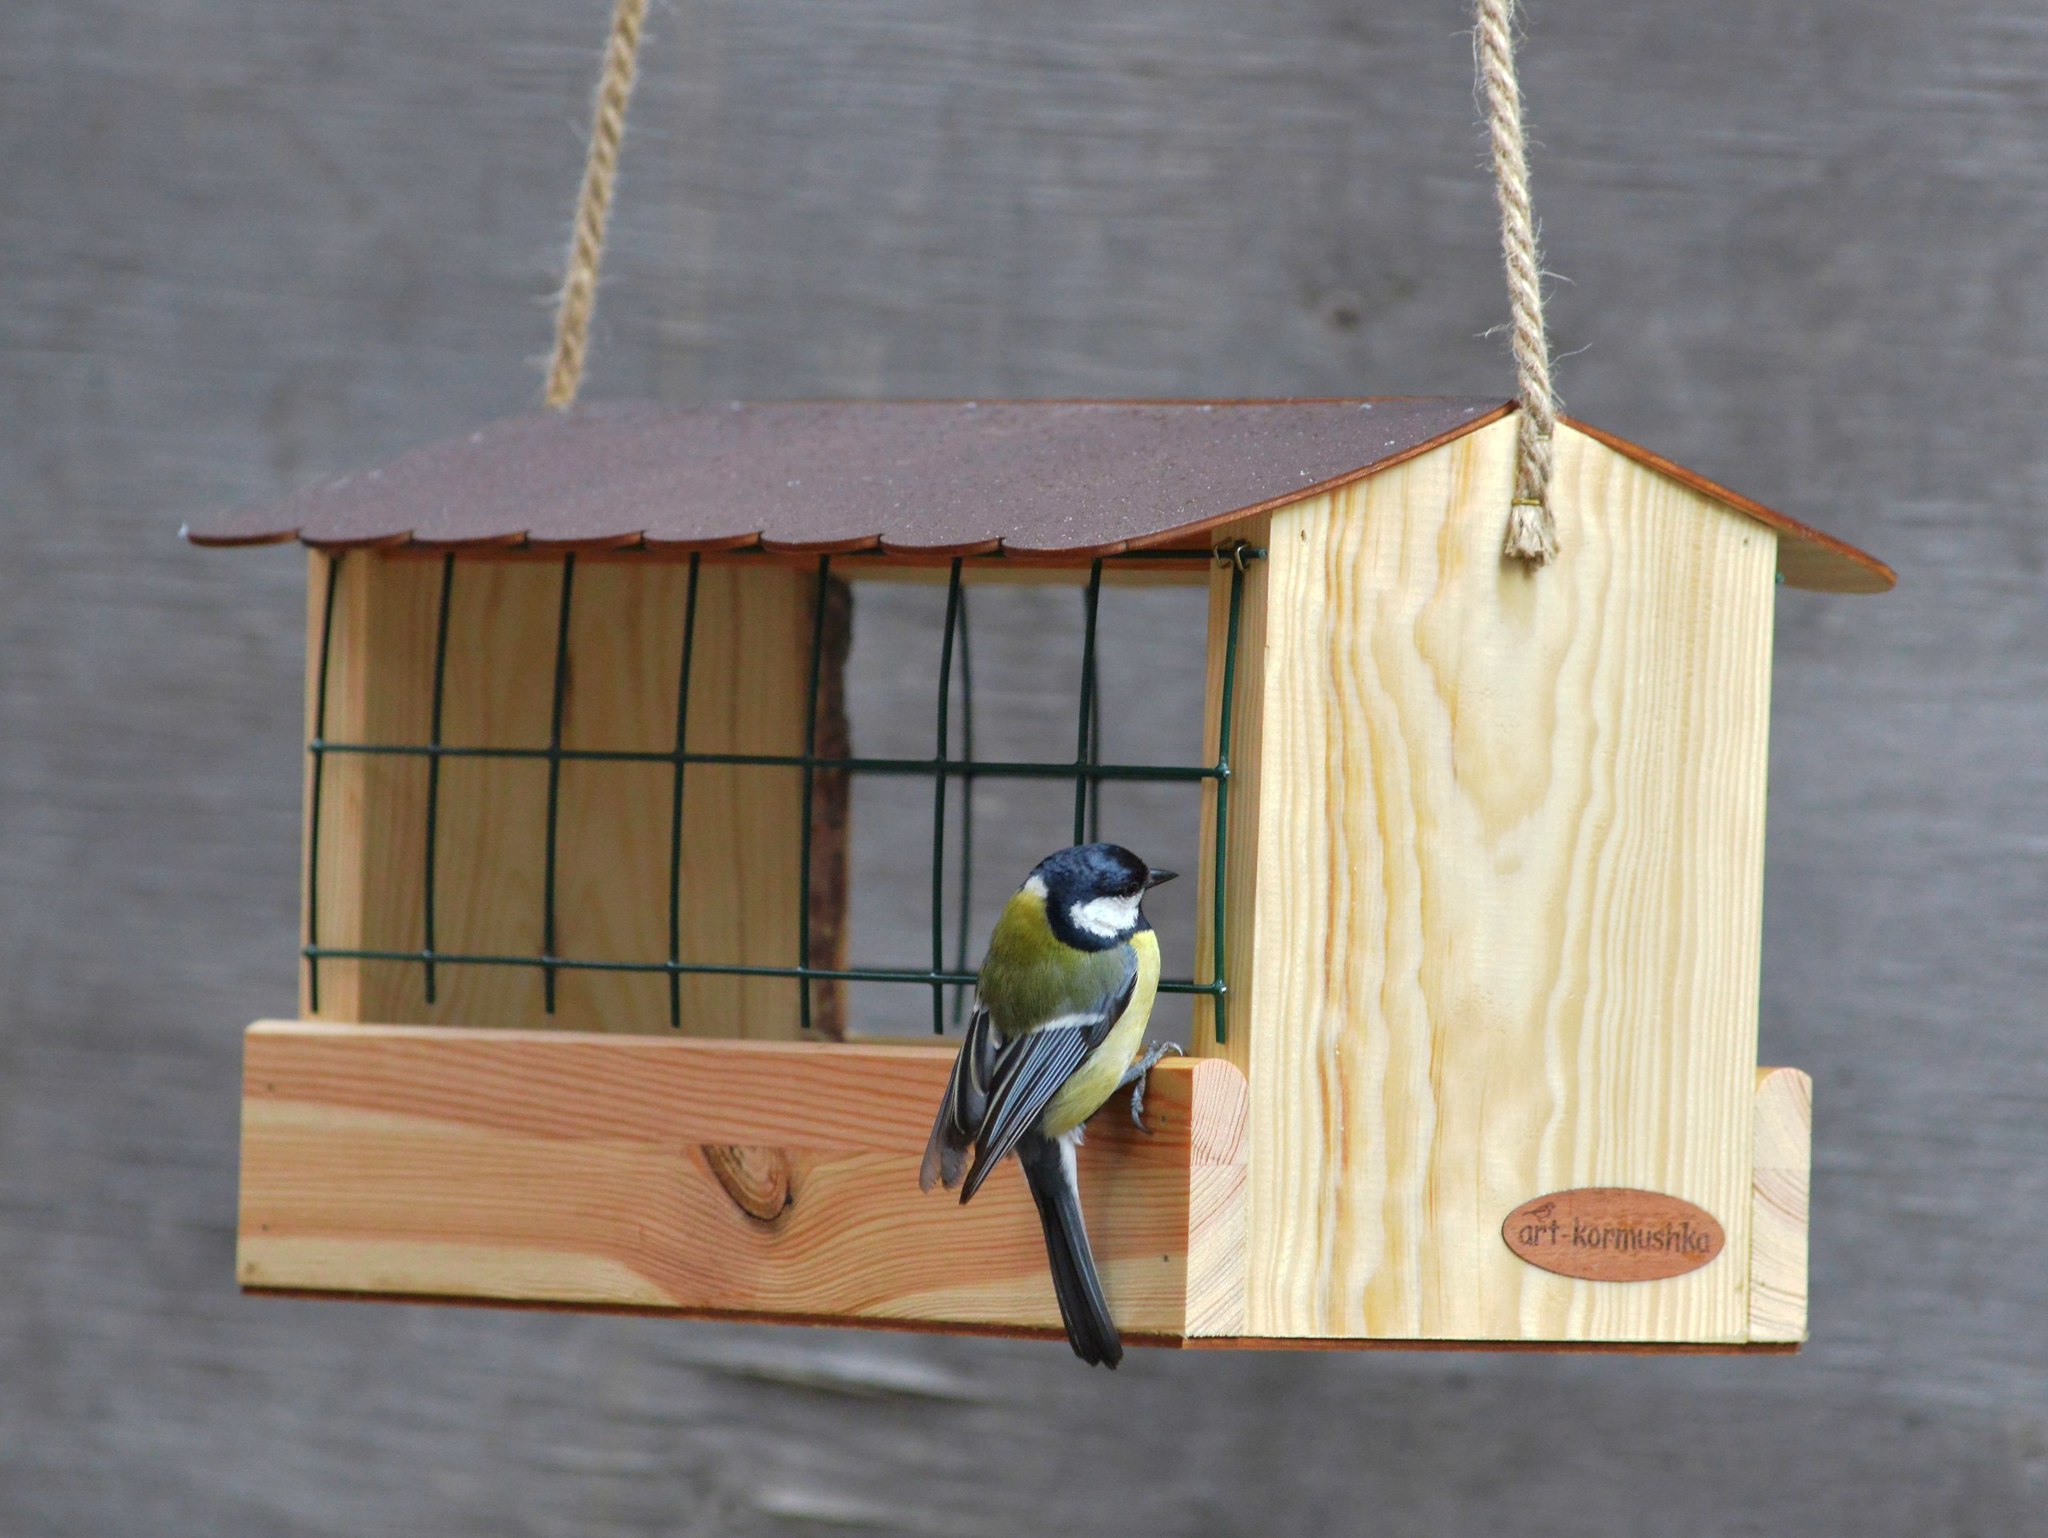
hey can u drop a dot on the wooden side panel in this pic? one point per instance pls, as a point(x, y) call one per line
point(705, 1177)
point(1508, 895)
point(742, 825)
point(372, 833)
point(1778, 1235)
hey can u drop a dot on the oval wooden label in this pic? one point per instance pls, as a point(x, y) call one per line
point(1613, 1234)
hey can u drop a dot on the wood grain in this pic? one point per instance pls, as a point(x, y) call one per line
point(1508, 895)
point(741, 826)
point(1779, 1222)
point(372, 829)
point(749, 1178)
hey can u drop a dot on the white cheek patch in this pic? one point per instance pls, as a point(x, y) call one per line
point(1105, 917)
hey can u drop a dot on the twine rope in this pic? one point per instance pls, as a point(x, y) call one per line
point(1532, 531)
point(594, 203)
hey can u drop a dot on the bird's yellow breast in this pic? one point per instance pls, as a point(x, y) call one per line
point(1103, 1069)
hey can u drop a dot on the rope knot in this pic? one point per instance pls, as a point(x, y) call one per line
point(1532, 533)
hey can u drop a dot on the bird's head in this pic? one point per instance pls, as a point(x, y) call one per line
point(1094, 893)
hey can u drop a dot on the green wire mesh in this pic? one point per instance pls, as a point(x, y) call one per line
point(434, 763)
point(314, 793)
point(953, 596)
point(675, 812)
point(554, 756)
point(1086, 770)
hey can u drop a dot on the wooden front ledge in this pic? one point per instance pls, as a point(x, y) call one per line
point(765, 1180)
point(777, 1182)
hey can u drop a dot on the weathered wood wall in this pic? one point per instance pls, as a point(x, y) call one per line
point(244, 244)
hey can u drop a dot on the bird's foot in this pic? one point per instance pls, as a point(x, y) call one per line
point(1135, 1077)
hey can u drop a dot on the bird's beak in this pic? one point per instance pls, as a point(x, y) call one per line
point(1155, 878)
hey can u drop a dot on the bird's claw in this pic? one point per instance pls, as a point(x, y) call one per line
point(1135, 1077)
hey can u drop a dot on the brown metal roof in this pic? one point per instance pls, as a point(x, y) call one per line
point(1028, 478)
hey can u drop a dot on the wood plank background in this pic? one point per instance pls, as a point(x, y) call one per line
point(246, 244)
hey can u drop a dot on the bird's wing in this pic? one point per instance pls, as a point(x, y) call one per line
point(965, 1105)
point(1029, 1070)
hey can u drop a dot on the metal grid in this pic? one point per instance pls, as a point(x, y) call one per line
point(1086, 770)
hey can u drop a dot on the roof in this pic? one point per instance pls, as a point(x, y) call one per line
point(1046, 479)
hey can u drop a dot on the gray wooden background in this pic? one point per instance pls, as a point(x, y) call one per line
point(243, 244)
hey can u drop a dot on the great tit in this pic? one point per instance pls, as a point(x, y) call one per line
point(1059, 1015)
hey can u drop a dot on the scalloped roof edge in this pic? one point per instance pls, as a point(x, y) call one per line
point(921, 479)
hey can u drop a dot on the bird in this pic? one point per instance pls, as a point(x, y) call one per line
point(1061, 1003)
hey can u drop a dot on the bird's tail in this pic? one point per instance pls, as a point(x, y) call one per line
point(966, 1102)
point(1049, 1168)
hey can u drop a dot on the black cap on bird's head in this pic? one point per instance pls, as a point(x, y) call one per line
point(1093, 893)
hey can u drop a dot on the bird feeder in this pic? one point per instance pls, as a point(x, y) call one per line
point(1476, 982)
point(1476, 988)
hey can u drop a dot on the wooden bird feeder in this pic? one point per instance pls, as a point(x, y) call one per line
point(1482, 903)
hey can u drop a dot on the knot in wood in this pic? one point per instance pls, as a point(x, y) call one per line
point(758, 1180)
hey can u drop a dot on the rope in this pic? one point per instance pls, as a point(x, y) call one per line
point(1532, 531)
point(593, 204)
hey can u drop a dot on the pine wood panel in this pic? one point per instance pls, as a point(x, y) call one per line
point(742, 825)
point(705, 1177)
point(1782, 1178)
point(371, 835)
point(1508, 887)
